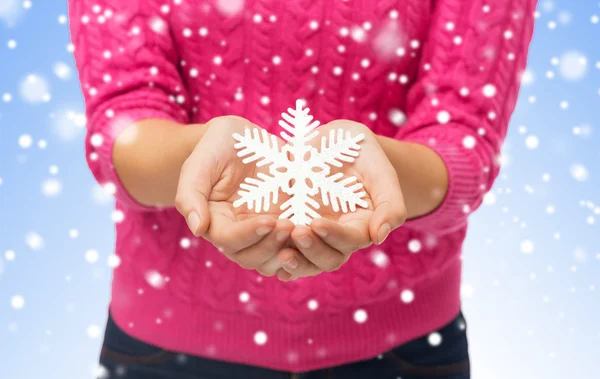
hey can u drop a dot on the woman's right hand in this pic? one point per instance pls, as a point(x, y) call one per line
point(208, 186)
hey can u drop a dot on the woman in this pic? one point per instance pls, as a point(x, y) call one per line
point(212, 291)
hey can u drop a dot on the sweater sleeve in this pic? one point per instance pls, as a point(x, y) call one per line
point(127, 67)
point(464, 95)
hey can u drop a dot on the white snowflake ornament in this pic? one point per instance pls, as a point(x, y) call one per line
point(298, 169)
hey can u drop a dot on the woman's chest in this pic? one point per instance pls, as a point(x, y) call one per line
point(348, 59)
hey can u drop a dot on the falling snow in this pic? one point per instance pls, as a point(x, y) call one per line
point(260, 338)
point(407, 296)
point(34, 241)
point(51, 187)
point(489, 90)
point(380, 258)
point(155, 279)
point(527, 247)
point(573, 65)
point(397, 117)
point(113, 261)
point(532, 142)
point(117, 216)
point(546, 191)
point(9, 255)
point(25, 141)
point(94, 331)
point(17, 302)
point(389, 40)
point(527, 78)
point(360, 316)
point(34, 89)
point(414, 246)
point(443, 117)
point(62, 71)
point(579, 173)
point(91, 256)
point(434, 339)
point(230, 7)
point(158, 25)
point(100, 195)
point(185, 243)
point(244, 297)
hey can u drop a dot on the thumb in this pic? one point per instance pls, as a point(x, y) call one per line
point(386, 195)
point(193, 192)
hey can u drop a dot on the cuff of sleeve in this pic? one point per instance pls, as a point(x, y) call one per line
point(465, 177)
point(104, 129)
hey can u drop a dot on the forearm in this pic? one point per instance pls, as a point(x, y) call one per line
point(422, 174)
point(148, 156)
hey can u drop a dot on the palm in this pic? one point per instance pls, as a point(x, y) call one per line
point(336, 235)
point(360, 214)
point(225, 193)
point(363, 168)
point(208, 189)
point(231, 173)
point(212, 176)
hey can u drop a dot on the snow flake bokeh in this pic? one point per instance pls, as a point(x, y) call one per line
point(531, 258)
point(34, 89)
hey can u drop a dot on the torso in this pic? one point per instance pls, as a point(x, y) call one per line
point(346, 59)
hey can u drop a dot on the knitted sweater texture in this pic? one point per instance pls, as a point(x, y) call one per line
point(444, 73)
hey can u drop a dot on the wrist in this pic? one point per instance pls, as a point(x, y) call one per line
point(190, 135)
point(422, 174)
point(148, 157)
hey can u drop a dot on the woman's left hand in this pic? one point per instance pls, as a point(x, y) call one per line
point(330, 240)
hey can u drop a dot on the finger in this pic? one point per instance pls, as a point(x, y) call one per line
point(231, 236)
point(386, 218)
point(193, 190)
point(346, 238)
point(386, 195)
point(254, 256)
point(316, 250)
point(295, 265)
point(284, 276)
point(271, 267)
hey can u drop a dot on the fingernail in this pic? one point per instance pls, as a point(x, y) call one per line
point(320, 232)
point(282, 235)
point(291, 264)
point(305, 242)
point(263, 230)
point(383, 232)
point(193, 221)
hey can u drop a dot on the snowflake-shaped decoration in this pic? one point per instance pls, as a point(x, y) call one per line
point(298, 169)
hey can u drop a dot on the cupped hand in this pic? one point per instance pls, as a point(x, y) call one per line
point(208, 186)
point(330, 240)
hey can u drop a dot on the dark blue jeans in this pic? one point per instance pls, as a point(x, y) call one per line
point(124, 357)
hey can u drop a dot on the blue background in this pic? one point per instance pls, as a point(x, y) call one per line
point(530, 315)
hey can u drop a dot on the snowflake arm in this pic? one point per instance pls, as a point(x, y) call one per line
point(340, 193)
point(300, 209)
point(258, 146)
point(338, 148)
point(259, 193)
point(298, 125)
point(262, 148)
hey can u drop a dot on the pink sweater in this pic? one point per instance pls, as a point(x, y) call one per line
point(444, 73)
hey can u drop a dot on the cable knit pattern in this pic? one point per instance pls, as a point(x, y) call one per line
point(444, 73)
